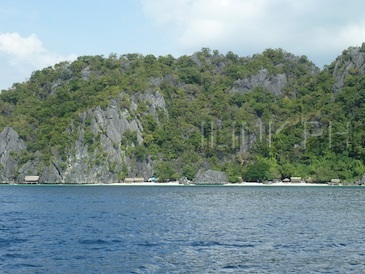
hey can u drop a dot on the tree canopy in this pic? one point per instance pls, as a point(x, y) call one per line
point(230, 112)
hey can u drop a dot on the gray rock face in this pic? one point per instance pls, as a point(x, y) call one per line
point(103, 158)
point(154, 100)
point(361, 181)
point(184, 180)
point(100, 163)
point(51, 175)
point(272, 83)
point(10, 147)
point(29, 168)
point(210, 177)
point(351, 61)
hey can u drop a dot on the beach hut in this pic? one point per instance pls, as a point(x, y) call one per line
point(31, 179)
point(133, 180)
point(335, 181)
point(138, 180)
point(296, 179)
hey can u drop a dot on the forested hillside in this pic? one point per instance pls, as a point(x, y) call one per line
point(270, 115)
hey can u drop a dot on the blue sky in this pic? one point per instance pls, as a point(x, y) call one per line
point(38, 33)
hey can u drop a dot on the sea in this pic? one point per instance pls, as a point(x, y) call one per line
point(187, 229)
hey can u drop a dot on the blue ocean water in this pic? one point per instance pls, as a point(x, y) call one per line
point(118, 229)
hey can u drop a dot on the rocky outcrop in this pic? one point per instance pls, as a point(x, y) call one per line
point(30, 168)
point(361, 181)
point(184, 180)
point(11, 146)
point(99, 154)
point(272, 83)
point(155, 102)
point(352, 61)
point(52, 174)
point(210, 177)
point(112, 137)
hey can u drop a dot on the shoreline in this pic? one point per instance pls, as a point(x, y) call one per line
point(243, 184)
point(176, 183)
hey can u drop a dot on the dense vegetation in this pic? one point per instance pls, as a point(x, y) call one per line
point(308, 129)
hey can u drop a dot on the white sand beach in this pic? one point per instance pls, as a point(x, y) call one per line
point(176, 183)
point(274, 184)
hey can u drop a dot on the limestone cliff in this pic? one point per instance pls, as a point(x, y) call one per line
point(210, 177)
point(273, 83)
point(104, 158)
point(351, 62)
point(97, 155)
point(11, 145)
point(102, 119)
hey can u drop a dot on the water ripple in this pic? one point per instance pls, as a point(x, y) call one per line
point(182, 230)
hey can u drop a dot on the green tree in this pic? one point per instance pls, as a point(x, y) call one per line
point(166, 171)
point(259, 171)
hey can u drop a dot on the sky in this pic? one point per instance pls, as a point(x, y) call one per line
point(35, 34)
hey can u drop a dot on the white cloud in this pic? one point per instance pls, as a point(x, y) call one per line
point(352, 33)
point(23, 55)
point(204, 21)
point(319, 29)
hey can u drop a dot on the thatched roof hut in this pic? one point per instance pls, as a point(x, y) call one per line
point(31, 179)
